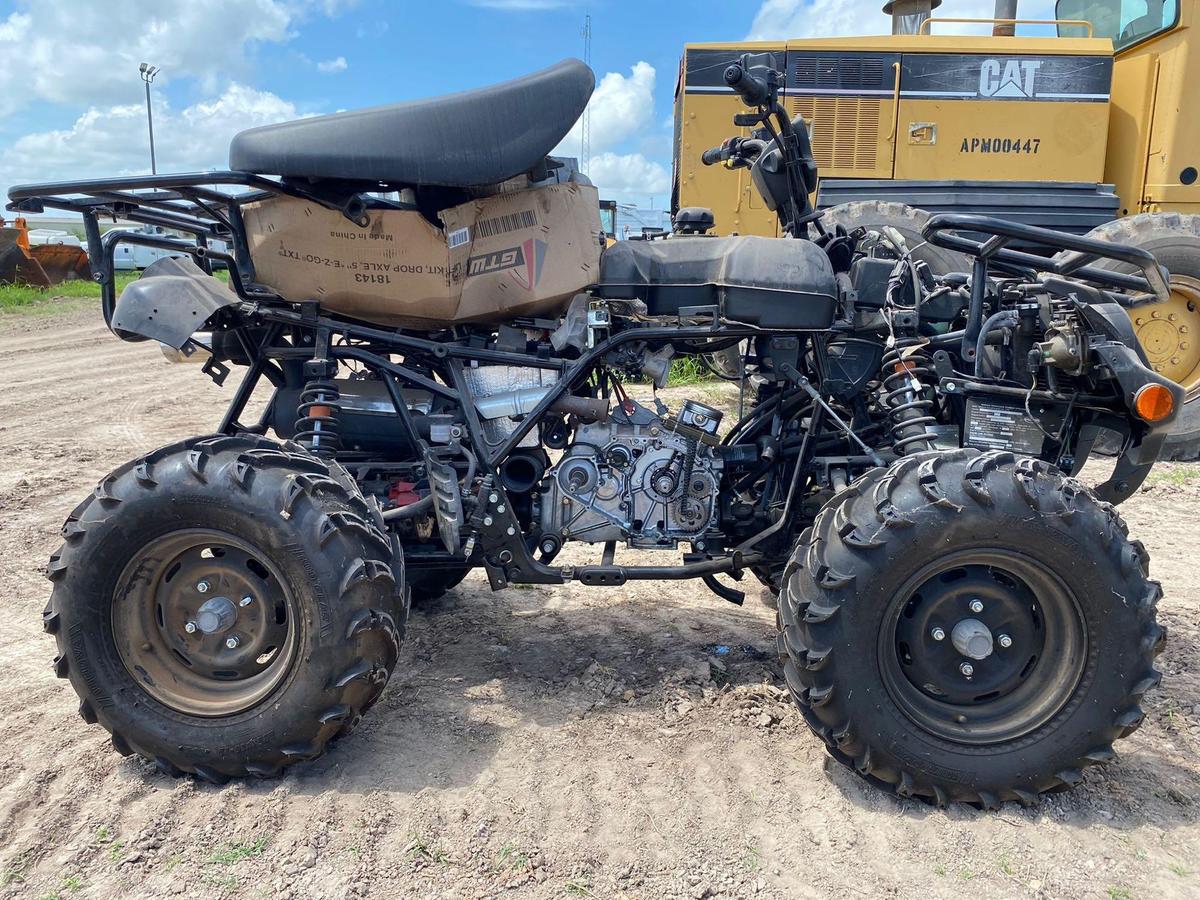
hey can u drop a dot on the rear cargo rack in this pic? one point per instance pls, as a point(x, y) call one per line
point(206, 205)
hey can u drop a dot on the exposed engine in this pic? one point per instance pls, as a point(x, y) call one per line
point(646, 478)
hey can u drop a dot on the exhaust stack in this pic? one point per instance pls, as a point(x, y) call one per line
point(909, 15)
point(1005, 9)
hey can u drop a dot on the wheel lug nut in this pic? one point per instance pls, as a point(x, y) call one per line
point(967, 669)
point(1004, 641)
point(246, 601)
point(202, 587)
point(976, 606)
point(190, 627)
point(938, 634)
point(232, 642)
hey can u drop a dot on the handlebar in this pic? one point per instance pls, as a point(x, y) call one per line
point(736, 151)
point(752, 89)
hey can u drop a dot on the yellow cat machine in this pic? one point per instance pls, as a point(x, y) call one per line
point(1091, 129)
point(608, 221)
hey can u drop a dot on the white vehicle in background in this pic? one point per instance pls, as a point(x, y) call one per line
point(40, 236)
point(135, 257)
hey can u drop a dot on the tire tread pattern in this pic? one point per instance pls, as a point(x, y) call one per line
point(873, 506)
point(349, 530)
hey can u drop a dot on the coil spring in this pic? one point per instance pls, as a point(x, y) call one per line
point(317, 425)
point(909, 411)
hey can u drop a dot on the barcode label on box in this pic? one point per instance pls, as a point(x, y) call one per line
point(526, 218)
point(458, 237)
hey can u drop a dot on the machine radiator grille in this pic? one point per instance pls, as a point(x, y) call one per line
point(839, 71)
point(845, 130)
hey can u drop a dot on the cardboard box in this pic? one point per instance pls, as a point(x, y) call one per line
point(511, 254)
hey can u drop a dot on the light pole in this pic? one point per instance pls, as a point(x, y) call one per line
point(148, 72)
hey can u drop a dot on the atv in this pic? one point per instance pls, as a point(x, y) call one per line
point(445, 343)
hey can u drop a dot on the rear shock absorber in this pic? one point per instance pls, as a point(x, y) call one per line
point(317, 425)
point(906, 372)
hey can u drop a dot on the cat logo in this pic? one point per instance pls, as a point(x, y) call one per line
point(1008, 78)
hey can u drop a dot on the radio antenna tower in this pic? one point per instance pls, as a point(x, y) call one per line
point(585, 144)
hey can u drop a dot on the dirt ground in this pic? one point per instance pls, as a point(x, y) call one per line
point(551, 742)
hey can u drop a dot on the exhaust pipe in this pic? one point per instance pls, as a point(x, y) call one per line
point(198, 355)
point(909, 15)
point(1005, 9)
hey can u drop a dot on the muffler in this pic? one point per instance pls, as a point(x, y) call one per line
point(197, 355)
point(909, 15)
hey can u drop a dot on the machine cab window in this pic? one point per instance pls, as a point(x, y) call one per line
point(1126, 22)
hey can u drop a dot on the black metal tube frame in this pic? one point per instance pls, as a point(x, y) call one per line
point(189, 202)
point(945, 230)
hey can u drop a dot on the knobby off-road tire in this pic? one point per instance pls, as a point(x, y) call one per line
point(1169, 332)
point(908, 220)
point(880, 568)
point(289, 531)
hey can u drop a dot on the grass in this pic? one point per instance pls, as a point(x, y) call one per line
point(511, 857)
point(1179, 869)
point(19, 296)
point(420, 846)
point(221, 882)
point(752, 859)
point(1177, 476)
point(237, 852)
point(687, 370)
point(15, 873)
point(22, 296)
point(1119, 893)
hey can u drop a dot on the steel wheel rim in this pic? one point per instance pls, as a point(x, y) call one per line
point(172, 627)
point(1013, 690)
point(1170, 334)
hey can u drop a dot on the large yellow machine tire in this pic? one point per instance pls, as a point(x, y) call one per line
point(908, 220)
point(1169, 332)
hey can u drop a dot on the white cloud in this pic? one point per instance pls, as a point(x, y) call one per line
point(333, 65)
point(621, 107)
point(83, 52)
point(112, 140)
point(629, 176)
point(783, 19)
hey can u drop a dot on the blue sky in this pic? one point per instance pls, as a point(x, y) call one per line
point(71, 102)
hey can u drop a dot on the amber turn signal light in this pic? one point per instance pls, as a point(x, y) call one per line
point(1153, 402)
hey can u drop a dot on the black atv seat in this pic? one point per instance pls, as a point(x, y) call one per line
point(471, 138)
